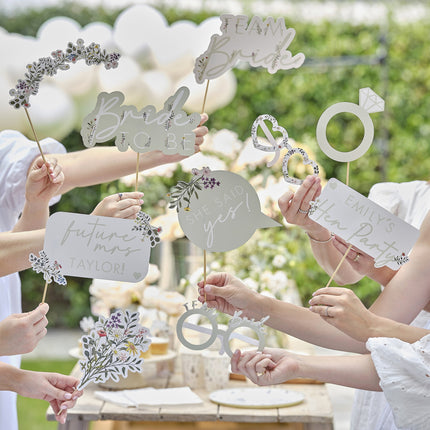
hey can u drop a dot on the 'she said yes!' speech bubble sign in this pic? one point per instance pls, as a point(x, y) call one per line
point(363, 223)
point(91, 246)
point(220, 210)
point(261, 43)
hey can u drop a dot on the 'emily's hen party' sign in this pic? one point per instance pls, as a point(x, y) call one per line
point(218, 211)
point(363, 223)
point(261, 43)
point(169, 130)
point(92, 246)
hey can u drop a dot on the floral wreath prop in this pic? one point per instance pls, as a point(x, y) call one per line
point(59, 60)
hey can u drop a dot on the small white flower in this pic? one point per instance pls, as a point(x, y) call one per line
point(87, 324)
point(251, 283)
point(279, 260)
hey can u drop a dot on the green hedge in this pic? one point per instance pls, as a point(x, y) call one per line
point(296, 98)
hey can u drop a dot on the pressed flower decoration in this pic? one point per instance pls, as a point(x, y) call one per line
point(183, 191)
point(143, 225)
point(113, 348)
point(59, 60)
point(51, 269)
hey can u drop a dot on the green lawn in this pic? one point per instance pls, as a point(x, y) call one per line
point(31, 412)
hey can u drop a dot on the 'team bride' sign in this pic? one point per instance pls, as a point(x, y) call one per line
point(363, 223)
point(261, 43)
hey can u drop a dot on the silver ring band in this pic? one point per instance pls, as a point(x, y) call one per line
point(326, 312)
point(303, 212)
point(356, 257)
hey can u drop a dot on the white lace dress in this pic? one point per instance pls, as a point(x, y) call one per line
point(16, 155)
point(371, 411)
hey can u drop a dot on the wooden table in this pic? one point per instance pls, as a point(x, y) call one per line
point(314, 413)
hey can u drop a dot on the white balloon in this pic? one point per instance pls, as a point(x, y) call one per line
point(10, 118)
point(52, 112)
point(136, 28)
point(126, 78)
point(56, 32)
point(158, 88)
point(200, 41)
point(221, 92)
point(24, 52)
point(172, 51)
point(99, 32)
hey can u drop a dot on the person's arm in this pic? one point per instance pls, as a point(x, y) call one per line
point(15, 246)
point(327, 248)
point(44, 180)
point(228, 294)
point(20, 333)
point(275, 366)
point(59, 390)
point(401, 300)
point(341, 308)
point(294, 208)
point(106, 163)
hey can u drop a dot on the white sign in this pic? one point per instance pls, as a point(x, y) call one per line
point(170, 130)
point(219, 211)
point(363, 223)
point(261, 43)
point(97, 247)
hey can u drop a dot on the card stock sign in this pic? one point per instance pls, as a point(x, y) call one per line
point(363, 223)
point(97, 247)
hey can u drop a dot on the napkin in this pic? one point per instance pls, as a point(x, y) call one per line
point(151, 397)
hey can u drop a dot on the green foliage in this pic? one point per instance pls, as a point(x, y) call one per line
point(296, 98)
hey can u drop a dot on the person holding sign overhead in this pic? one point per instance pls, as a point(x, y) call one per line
point(91, 166)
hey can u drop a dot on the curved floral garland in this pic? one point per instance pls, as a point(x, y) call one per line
point(59, 60)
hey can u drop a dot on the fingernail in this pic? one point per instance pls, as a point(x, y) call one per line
point(310, 308)
point(208, 288)
point(74, 397)
point(63, 407)
point(141, 202)
point(67, 396)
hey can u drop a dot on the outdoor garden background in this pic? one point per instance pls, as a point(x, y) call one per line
point(344, 52)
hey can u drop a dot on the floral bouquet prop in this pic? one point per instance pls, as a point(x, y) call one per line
point(113, 348)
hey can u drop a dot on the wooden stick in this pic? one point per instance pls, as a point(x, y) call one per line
point(204, 98)
point(35, 135)
point(338, 266)
point(137, 170)
point(44, 291)
point(347, 174)
point(204, 270)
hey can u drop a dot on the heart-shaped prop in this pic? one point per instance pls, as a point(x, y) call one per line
point(306, 160)
point(274, 147)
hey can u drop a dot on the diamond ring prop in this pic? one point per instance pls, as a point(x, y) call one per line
point(369, 102)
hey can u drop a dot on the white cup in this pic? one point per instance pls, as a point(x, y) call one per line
point(192, 368)
point(216, 369)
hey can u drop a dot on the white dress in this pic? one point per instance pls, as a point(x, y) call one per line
point(371, 411)
point(16, 155)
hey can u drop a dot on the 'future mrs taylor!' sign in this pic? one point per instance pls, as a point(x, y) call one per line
point(97, 247)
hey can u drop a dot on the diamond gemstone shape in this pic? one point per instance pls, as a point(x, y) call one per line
point(370, 101)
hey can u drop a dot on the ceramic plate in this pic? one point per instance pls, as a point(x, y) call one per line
point(256, 398)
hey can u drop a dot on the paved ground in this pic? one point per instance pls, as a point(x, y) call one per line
point(57, 344)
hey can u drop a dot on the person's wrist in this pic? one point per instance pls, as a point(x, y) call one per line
point(261, 307)
point(317, 232)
